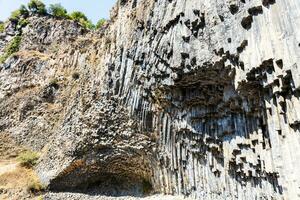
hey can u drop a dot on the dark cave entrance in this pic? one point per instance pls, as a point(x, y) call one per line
point(126, 176)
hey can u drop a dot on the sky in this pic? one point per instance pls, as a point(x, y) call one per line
point(93, 9)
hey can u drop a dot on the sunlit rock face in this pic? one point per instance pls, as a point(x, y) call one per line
point(217, 83)
point(189, 97)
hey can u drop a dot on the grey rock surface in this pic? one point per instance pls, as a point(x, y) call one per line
point(78, 196)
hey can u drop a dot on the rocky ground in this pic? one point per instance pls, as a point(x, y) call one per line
point(76, 196)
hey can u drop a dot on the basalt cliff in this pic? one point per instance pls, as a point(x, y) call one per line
point(198, 98)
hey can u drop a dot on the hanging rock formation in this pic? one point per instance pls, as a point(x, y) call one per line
point(191, 97)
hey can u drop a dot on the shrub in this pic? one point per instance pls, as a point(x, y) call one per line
point(12, 47)
point(88, 24)
point(34, 186)
point(15, 16)
point(77, 16)
point(40, 198)
point(82, 19)
point(100, 23)
point(28, 159)
point(2, 27)
point(23, 22)
point(23, 11)
point(58, 11)
point(37, 7)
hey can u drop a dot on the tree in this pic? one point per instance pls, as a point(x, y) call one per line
point(78, 16)
point(88, 24)
point(23, 11)
point(58, 11)
point(15, 16)
point(100, 23)
point(37, 7)
point(82, 19)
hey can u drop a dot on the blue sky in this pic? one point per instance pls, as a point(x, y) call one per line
point(93, 9)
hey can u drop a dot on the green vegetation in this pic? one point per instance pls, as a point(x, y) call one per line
point(40, 198)
point(28, 159)
point(100, 23)
point(37, 7)
point(2, 27)
point(58, 11)
point(24, 11)
point(15, 16)
point(78, 16)
point(82, 19)
point(19, 16)
point(88, 24)
point(23, 22)
point(12, 47)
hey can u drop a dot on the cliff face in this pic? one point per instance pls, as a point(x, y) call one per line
point(189, 97)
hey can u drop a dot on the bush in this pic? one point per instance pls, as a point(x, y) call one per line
point(15, 16)
point(100, 23)
point(40, 198)
point(28, 159)
point(88, 24)
point(23, 11)
point(23, 22)
point(82, 19)
point(12, 47)
point(2, 27)
point(37, 7)
point(78, 16)
point(58, 11)
point(34, 186)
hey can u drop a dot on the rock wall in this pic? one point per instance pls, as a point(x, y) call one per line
point(189, 97)
point(217, 83)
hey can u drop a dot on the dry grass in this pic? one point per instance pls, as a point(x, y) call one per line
point(16, 180)
point(21, 178)
point(33, 54)
point(8, 148)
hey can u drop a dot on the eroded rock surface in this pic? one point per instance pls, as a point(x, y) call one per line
point(199, 98)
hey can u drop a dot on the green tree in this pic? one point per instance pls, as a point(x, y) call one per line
point(100, 23)
point(82, 19)
point(23, 22)
point(88, 24)
point(58, 11)
point(24, 11)
point(78, 16)
point(15, 16)
point(37, 7)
